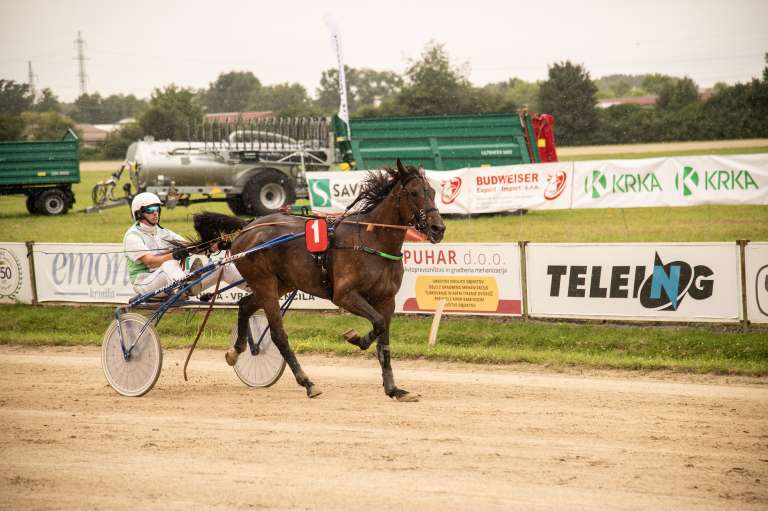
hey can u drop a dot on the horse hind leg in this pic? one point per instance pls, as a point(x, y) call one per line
point(246, 307)
point(280, 338)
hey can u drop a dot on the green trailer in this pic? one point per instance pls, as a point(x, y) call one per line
point(438, 143)
point(43, 170)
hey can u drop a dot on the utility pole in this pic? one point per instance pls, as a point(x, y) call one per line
point(32, 77)
point(80, 43)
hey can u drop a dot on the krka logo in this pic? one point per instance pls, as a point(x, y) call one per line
point(320, 192)
point(688, 181)
point(598, 184)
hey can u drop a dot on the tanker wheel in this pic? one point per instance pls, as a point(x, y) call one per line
point(267, 192)
point(52, 202)
point(235, 203)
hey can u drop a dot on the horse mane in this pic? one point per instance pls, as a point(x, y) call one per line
point(377, 185)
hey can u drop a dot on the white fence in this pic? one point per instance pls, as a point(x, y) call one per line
point(688, 282)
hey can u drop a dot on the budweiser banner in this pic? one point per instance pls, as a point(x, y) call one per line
point(15, 277)
point(652, 281)
point(483, 190)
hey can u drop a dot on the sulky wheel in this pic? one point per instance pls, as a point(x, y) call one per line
point(265, 367)
point(136, 375)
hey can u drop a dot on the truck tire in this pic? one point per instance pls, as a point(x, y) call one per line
point(235, 203)
point(267, 192)
point(31, 207)
point(52, 202)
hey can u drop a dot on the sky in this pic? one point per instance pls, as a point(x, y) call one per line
point(134, 47)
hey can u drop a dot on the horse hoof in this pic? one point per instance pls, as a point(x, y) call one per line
point(404, 396)
point(313, 391)
point(231, 356)
point(352, 337)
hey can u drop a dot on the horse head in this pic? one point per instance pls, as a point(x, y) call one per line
point(417, 201)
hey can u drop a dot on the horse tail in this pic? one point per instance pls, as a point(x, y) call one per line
point(211, 228)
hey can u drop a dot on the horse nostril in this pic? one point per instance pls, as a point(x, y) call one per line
point(437, 228)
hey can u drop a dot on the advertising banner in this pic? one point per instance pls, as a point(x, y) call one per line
point(477, 190)
point(15, 277)
point(97, 273)
point(756, 259)
point(471, 278)
point(652, 281)
point(680, 181)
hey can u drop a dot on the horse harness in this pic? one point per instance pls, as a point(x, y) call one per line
point(418, 220)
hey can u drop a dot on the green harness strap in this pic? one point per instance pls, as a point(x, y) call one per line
point(369, 250)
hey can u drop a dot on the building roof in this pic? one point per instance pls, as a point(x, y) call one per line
point(629, 100)
point(236, 116)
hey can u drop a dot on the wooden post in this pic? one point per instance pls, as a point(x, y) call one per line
point(436, 322)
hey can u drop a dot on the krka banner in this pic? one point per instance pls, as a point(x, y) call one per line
point(650, 182)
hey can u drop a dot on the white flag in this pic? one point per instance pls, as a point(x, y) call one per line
point(336, 41)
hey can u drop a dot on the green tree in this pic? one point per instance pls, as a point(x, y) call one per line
point(14, 97)
point(434, 86)
point(570, 95)
point(284, 99)
point(48, 102)
point(678, 94)
point(11, 127)
point(45, 125)
point(509, 96)
point(172, 113)
point(118, 107)
point(366, 88)
point(231, 92)
point(654, 83)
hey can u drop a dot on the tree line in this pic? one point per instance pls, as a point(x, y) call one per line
point(430, 85)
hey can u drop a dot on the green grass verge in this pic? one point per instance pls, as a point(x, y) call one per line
point(704, 349)
point(687, 224)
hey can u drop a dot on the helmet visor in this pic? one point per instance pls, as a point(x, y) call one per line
point(151, 209)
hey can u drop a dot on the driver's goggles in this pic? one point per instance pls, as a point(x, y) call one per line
point(152, 209)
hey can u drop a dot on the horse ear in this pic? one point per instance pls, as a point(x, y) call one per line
point(401, 167)
point(422, 172)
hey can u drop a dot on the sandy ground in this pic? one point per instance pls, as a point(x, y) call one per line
point(502, 437)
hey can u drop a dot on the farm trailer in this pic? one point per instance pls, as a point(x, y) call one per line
point(43, 170)
point(259, 166)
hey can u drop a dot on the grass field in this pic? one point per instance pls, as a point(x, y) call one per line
point(698, 349)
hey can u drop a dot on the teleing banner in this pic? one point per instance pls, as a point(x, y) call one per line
point(659, 281)
point(15, 277)
point(756, 259)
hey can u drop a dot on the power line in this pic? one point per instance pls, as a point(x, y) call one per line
point(80, 44)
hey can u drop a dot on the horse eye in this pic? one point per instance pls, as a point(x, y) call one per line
point(414, 194)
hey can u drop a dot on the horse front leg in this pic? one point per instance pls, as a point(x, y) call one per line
point(359, 306)
point(385, 361)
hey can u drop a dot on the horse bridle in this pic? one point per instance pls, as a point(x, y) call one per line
point(418, 215)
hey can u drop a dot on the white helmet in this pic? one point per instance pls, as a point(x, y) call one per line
point(144, 200)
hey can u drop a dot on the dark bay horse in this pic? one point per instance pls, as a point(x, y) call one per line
point(363, 268)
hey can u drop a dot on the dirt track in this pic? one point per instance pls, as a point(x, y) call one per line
point(481, 438)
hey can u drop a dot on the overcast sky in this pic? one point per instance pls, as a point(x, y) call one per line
point(133, 47)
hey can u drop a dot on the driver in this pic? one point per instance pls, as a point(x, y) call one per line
point(154, 262)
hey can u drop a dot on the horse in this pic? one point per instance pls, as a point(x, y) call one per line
point(362, 269)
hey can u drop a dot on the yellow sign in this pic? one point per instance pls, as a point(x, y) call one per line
point(41, 173)
point(480, 294)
